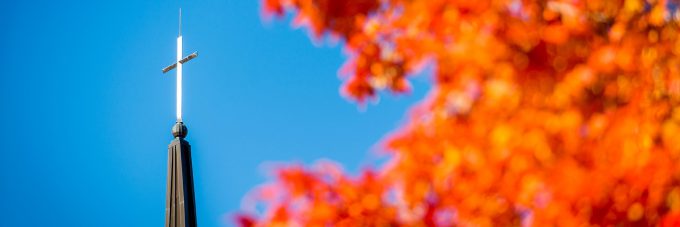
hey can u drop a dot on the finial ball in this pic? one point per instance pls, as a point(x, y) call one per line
point(179, 130)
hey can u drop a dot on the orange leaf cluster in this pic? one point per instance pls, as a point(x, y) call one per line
point(542, 113)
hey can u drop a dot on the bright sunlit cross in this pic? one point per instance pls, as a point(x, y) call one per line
point(178, 65)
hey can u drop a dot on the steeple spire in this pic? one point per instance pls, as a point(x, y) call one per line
point(180, 204)
point(180, 23)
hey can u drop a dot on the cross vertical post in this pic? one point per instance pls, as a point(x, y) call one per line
point(179, 78)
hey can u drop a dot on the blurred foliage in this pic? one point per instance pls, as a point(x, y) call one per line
point(541, 113)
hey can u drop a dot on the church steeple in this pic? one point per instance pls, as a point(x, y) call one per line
point(180, 203)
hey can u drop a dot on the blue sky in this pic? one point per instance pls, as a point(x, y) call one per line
point(86, 112)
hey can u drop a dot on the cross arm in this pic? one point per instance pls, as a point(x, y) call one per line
point(188, 58)
point(166, 69)
point(184, 60)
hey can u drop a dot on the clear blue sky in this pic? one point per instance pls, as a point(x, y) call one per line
point(86, 113)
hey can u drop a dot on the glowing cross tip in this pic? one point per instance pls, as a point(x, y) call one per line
point(178, 64)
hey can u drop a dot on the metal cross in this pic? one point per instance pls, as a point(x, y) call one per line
point(178, 65)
